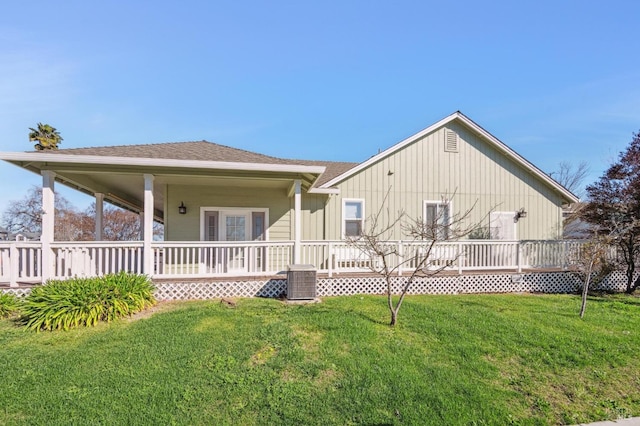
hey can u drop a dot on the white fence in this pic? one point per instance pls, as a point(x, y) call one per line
point(188, 259)
point(22, 261)
point(89, 258)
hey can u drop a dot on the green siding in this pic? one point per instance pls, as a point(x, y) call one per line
point(477, 173)
point(187, 227)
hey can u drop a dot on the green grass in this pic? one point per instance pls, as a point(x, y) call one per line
point(455, 360)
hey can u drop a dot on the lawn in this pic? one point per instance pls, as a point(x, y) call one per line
point(455, 360)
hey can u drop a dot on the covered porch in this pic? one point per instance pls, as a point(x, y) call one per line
point(239, 217)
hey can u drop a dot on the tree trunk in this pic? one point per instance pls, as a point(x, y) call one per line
point(585, 292)
point(631, 267)
point(394, 317)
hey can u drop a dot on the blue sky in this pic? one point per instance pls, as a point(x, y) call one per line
point(331, 80)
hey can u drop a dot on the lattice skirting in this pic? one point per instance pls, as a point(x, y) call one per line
point(539, 282)
point(534, 282)
point(275, 287)
point(17, 291)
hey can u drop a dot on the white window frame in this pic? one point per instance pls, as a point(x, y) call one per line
point(344, 219)
point(439, 203)
point(222, 211)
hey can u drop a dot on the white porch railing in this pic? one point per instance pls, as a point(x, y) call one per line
point(205, 259)
point(94, 258)
point(21, 261)
point(339, 256)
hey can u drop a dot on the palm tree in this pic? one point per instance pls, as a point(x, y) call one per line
point(46, 136)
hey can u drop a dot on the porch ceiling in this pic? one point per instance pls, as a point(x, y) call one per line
point(122, 183)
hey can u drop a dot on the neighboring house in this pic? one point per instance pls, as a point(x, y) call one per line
point(205, 191)
point(5, 235)
point(574, 228)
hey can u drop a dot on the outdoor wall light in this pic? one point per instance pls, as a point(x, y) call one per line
point(520, 214)
point(182, 209)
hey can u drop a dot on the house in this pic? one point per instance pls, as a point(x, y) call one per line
point(206, 192)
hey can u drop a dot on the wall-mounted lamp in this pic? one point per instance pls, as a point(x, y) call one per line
point(520, 214)
point(182, 209)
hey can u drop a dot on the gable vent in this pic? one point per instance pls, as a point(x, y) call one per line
point(451, 141)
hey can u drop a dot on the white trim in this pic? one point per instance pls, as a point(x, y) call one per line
point(225, 210)
point(330, 191)
point(147, 228)
point(39, 157)
point(47, 236)
point(351, 200)
point(99, 216)
point(459, 116)
point(297, 214)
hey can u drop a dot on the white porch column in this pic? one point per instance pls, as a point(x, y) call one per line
point(141, 219)
point(48, 224)
point(297, 203)
point(99, 215)
point(147, 229)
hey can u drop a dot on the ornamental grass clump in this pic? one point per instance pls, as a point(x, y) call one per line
point(86, 301)
point(8, 304)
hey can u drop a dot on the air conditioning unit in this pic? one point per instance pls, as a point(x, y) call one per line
point(301, 282)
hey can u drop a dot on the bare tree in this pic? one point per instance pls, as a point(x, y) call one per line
point(422, 257)
point(25, 217)
point(571, 176)
point(592, 265)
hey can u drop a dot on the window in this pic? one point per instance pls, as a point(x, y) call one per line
point(233, 224)
point(437, 217)
point(235, 227)
point(353, 217)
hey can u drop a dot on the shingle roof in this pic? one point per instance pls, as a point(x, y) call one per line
point(205, 151)
point(333, 169)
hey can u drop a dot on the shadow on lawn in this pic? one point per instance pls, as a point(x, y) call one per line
point(612, 298)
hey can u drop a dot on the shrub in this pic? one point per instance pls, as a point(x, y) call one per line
point(85, 301)
point(8, 304)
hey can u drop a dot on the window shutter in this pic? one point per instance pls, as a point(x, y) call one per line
point(451, 141)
